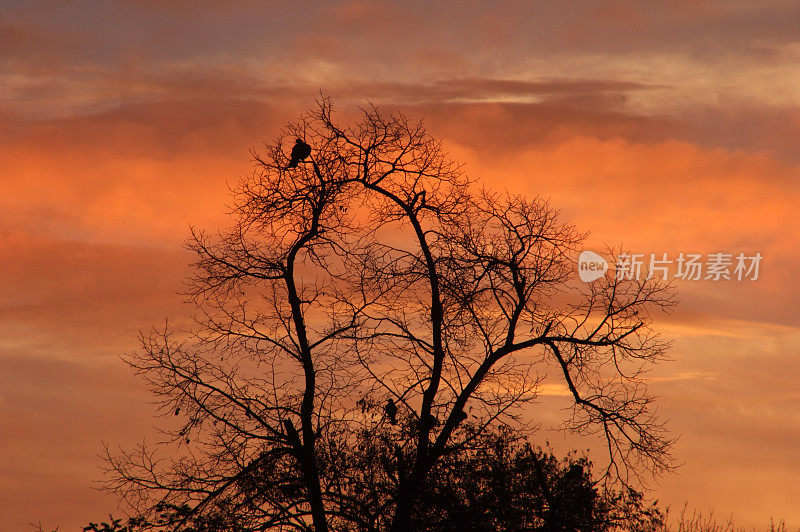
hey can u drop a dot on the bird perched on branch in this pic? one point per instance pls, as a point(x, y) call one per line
point(391, 411)
point(300, 151)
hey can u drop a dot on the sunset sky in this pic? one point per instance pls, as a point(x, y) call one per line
point(661, 126)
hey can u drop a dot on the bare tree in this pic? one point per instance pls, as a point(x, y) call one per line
point(373, 292)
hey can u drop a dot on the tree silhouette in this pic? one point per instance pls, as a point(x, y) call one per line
point(375, 273)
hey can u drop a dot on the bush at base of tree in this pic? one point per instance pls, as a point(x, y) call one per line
point(502, 483)
point(514, 486)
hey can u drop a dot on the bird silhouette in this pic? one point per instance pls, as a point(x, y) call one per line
point(391, 411)
point(300, 151)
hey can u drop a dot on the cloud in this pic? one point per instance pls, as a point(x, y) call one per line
point(666, 127)
point(123, 175)
point(55, 414)
point(686, 375)
point(737, 429)
point(553, 390)
point(73, 300)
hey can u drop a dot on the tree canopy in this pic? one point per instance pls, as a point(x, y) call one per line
point(366, 330)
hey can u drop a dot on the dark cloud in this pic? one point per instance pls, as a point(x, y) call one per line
point(471, 89)
point(496, 129)
point(29, 46)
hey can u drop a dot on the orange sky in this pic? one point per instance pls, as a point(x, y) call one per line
point(663, 126)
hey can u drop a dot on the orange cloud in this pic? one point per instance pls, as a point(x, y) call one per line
point(663, 129)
